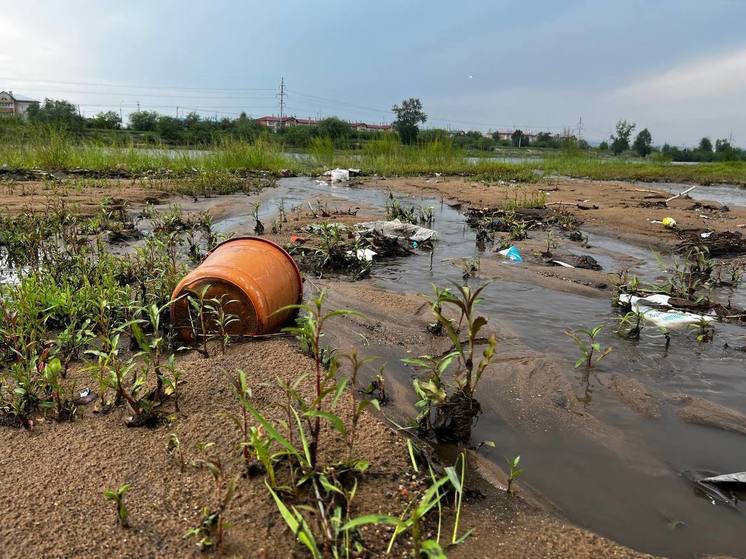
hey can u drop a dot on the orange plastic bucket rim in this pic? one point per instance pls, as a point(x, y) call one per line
point(272, 243)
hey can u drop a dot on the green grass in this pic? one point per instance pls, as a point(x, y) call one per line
point(385, 156)
point(55, 151)
point(641, 170)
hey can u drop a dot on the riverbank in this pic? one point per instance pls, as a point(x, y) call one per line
point(530, 397)
point(383, 157)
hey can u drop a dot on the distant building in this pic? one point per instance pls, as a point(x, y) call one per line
point(366, 126)
point(276, 122)
point(14, 104)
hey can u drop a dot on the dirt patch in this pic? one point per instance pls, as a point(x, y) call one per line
point(83, 197)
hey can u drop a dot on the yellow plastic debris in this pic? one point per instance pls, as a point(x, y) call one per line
point(669, 222)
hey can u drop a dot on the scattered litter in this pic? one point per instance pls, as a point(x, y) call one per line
point(717, 243)
point(397, 229)
point(363, 254)
point(321, 229)
point(563, 264)
point(662, 318)
point(684, 193)
point(339, 175)
point(85, 396)
point(296, 240)
point(583, 261)
point(735, 478)
point(669, 223)
point(726, 489)
point(706, 235)
point(512, 254)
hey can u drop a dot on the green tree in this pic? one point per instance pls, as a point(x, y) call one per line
point(518, 139)
point(620, 141)
point(604, 146)
point(334, 128)
point(107, 121)
point(169, 128)
point(408, 116)
point(144, 121)
point(643, 143)
point(725, 151)
point(705, 145)
point(246, 128)
point(546, 140)
point(59, 113)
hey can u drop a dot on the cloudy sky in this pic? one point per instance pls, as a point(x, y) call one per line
point(677, 67)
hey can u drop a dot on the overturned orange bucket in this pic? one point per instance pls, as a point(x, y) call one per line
point(250, 279)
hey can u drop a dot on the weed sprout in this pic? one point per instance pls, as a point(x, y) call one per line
point(117, 496)
point(590, 347)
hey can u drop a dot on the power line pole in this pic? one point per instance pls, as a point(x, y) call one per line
point(282, 101)
point(177, 111)
point(138, 106)
point(580, 128)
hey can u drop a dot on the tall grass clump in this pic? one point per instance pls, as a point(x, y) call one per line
point(322, 153)
point(55, 149)
point(387, 156)
point(237, 155)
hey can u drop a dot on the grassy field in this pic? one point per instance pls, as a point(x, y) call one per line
point(384, 157)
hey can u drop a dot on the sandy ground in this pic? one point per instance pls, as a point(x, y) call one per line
point(52, 480)
point(83, 196)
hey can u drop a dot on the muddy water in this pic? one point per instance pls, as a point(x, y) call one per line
point(612, 471)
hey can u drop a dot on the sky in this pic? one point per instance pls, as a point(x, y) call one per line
point(676, 67)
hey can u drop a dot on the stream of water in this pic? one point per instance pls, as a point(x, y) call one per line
point(617, 473)
point(651, 508)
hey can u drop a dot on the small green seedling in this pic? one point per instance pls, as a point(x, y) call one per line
point(174, 448)
point(117, 495)
point(590, 347)
point(514, 471)
point(631, 324)
point(704, 330)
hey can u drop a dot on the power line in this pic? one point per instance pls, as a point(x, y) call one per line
point(132, 86)
point(283, 93)
point(124, 94)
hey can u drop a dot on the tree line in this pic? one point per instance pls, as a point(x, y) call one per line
point(642, 146)
point(150, 127)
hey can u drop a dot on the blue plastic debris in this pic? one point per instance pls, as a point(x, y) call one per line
point(512, 254)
